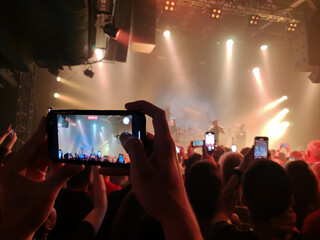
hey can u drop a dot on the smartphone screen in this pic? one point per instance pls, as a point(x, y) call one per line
point(284, 145)
point(260, 147)
point(233, 148)
point(198, 143)
point(120, 158)
point(210, 141)
point(85, 134)
point(178, 150)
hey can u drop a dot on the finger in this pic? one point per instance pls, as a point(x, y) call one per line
point(158, 115)
point(28, 150)
point(61, 176)
point(136, 151)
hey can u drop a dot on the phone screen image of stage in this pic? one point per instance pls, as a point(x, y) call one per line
point(261, 148)
point(93, 137)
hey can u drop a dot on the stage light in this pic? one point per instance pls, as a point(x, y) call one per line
point(274, 103)
point(169, 5)
point(166, 34)
point(111, 30)
point(264, 47)
point(88, 73)
point(229, 43)
point(254, 20)
point(215, 14)
point(125, 120)
point(292, 27)
point(99, 54)
point(58, 79)
point(56, 95)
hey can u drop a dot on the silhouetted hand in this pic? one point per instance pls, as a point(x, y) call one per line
point(156, 180)
point(26, 197)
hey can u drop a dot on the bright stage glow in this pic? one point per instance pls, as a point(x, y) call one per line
point(58, 79)
point(276, 128)
point(56, 95)
point(274, 103)
point(229, 43)
point(166, 34)
point(264, 47)
point(257, 76)
point(126, 120)
point(99, 54)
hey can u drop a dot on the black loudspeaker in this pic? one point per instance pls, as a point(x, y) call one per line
point(117, 48)
point(143, 37)
point(306, 45)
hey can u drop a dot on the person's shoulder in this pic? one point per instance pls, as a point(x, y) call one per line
point(226, 231)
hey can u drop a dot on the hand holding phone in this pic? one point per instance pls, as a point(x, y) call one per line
point(198, 143)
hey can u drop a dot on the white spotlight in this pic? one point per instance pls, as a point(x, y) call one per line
point(229, 43)
point(166, 33)
point(56, 95)
point(58, 79)
point(126, 120)
point(264, 47)
point(99, 54)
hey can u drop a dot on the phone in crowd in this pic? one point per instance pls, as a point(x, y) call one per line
point(210, 141)
point(233, 148)
point(60, 154)
point(120, 158)
point(284, 145)
point(198, 143)
point(82, 134)
point(12, 132)
point(178, 150)
point(261, 147)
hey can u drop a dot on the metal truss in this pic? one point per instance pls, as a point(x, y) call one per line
point(266, 10)
point(24, 113)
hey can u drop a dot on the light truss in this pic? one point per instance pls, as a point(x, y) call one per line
point(266, 10)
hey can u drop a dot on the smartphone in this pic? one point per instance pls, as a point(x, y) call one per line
point(12, 132)
point(80, 131)
point(178, 150)
point(198, 143)
point(233, 148)
point(210, 141)
point(120, 158)
point(261, 147)
point(60, 154)
point(99, 154)
point(284, 145)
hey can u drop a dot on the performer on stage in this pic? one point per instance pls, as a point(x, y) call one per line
point(240, 135)
point(216, 129)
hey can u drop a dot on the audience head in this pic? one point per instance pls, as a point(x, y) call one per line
point(305, 189)
point(190, 161)
point(217, 153)
point(267, 190)
point(81, 180)
point(227, 163)
point(245, 150)
point(203, 185)
point(313, 151)
point(316, 171)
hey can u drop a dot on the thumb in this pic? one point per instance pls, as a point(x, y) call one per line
point(61, 176)
point(136, 151)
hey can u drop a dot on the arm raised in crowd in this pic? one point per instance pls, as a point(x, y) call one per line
point(100, 201)
point(156, 180)
point(228, 197)
point(26, 198)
